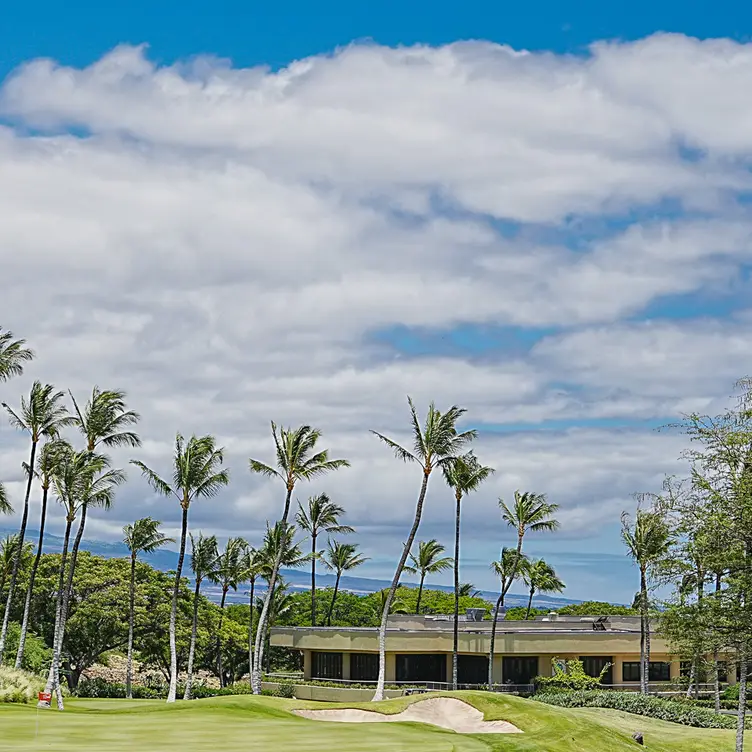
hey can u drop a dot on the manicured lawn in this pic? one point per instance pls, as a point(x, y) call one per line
point(244, 723)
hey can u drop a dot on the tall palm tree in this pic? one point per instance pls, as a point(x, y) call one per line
point(204, 557)
point(463, 475)
point(339, 558)
point(253, 565)
point(46, 464)
point(197, 473)
point(296, 460)
point(227, 573)
point(5, 506)
point(428, 561)
point(648, 539)
point(435, 444)
point(79, 479)
point(530, 512)
point(41, 417)
point(540, 577)
point(7, 556)
point(13, 355)
point(143, 536)
point(320, 516)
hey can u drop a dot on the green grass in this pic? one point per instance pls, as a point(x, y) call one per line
point(227, 724)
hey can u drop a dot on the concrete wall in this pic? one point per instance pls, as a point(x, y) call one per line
point(333, 694)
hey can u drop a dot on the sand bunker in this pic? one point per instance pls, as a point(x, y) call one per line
point(445, 712)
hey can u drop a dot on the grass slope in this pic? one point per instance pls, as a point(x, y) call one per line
point(263, 723)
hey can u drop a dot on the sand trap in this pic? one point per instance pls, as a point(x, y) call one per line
point(445, 712)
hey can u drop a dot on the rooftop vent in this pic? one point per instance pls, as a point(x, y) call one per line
point(475, 614)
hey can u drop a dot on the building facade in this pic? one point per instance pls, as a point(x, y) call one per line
point(419, 650)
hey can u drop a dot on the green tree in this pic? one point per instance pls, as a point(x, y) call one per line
point(296, 460)
point(204, 556)
point(253, 566)
point(41, 417)
point(197, 473)
point(340, 558)
point(13, 355)
point(228, 574)
point(428, 561)
point(143, 536)
point(320, 516)
point(540, 577)
point(530, 512)
point(648, 539)
point(463, 475)
point(435, 445)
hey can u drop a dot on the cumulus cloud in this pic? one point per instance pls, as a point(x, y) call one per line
point(228, 244)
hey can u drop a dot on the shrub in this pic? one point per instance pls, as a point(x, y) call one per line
point(572, 678)
point(37, 655)
point(285, 689)
point(99, 687)
point(631, 702)
point(19, 686)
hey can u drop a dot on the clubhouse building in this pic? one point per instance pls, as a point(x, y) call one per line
point(419, 650)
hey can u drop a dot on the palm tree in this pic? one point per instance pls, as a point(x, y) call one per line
point(428, 561)
point(13, 355)
point(468, 590)
point(79, 479)
point(296, 460)
point(204, 557)
point(339, 558)
point(227, 573)
point(253, 566)
point(648, 540)
point(530, 512)
point(46, 464)
point(197, 472)
point(435, 444)
point(463, 475)
point(5, 506)
point(540, 577)
point(7, 556)
point(321, 516)
point(41, 416)
point(143, 536)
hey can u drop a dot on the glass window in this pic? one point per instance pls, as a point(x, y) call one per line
point(472, 669)
point(659, 671)
point(593, 665)
point(421, 667)
point(364, 666)
point(519, 670)
point(630, 671)
point(326, 665)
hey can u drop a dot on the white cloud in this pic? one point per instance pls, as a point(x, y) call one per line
point(224, 244)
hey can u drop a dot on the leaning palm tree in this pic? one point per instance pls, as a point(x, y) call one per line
point(41, 417)
point(435, 444)
point(46, 464)
point(197, 472)
point(428, 561)
point(204, 556)
point(79, 479)
point(143, 536)
point(296, 460)
point(339, 558)
point(530, 512)
point(228, 573)
point(320, 516)
point(648, 539)
point(540, 577)
point(13, 355)
point(463, 475)
point(253, 568)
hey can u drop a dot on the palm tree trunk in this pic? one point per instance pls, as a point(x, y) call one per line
point(192, 649)
point(742, 710)
point(264, 617)
point(19, 553)
point(494, 619)
point(54, 666)
point(131, 610)
point(32, 578)
point(250, 635)
point(334, 598)
point(529, 603)
point(420, 592)
point(716, 676)
point(171, 694)
point(379, 694)
point(644, 634)
point(219, 638)
point(313, 579)
point(456, 625)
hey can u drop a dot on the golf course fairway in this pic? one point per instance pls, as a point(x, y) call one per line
point(244, 722)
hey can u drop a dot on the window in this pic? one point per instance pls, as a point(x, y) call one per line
point(659, 671)
point(593, 665)
point(421, 667)
point(630, 672)
point(519, 670)
point(326, 665)
point(472, 669)
point(364, 666)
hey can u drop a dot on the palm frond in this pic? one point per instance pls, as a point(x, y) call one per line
point(399, 452)
point(5, 505)
point(160, 486)
point(13, 355)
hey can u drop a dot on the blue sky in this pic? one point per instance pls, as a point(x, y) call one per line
point(558, 241)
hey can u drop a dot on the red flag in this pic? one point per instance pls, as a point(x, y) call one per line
point(44, 696)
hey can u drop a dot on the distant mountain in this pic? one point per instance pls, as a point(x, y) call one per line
point(166, 560)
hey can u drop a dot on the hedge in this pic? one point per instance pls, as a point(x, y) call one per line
point(102, 688)
point(631, 702)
